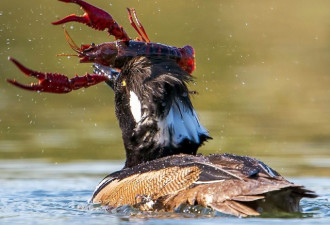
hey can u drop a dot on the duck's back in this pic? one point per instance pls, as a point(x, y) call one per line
point(227, 183)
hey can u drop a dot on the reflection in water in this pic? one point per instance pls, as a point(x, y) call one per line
point(262, 78)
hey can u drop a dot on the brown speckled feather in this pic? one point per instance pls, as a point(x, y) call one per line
point(151, 185)
point(236, 185)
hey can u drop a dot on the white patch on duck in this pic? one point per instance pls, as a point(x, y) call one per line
point(135, 105)
point(180, 123)
point(208, 182)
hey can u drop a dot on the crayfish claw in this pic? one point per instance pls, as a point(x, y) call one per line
point(95, 18)
point(55, 82)
point(27, 71)
point(72, 18)
point(91, 17)
point(48, 82)
point(32, 87)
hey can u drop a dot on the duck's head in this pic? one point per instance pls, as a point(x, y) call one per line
point(154, 110)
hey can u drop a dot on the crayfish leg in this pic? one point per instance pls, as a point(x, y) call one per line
point(140, 29)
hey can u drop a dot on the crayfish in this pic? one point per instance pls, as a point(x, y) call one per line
point(112, 55)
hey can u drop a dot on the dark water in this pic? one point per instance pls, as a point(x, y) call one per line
point(264, 90)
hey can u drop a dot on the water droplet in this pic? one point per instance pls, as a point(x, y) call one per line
point(71, 27)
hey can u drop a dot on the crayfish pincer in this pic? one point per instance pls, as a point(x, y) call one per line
point(111, 54)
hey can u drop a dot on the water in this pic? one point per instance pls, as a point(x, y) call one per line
point(39, 192)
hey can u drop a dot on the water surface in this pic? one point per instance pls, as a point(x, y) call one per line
point(39, 192)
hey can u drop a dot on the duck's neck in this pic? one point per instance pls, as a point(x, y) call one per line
point(151, 131)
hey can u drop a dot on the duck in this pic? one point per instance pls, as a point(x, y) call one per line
point(162, 133)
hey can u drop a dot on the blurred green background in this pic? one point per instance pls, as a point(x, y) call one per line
point(262, 76)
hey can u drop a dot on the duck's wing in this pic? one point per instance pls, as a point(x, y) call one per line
point(227, 183)
point(253, 188)
point(155, 179)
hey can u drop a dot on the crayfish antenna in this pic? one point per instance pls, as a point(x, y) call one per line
point(65, 54)
point(70, 41)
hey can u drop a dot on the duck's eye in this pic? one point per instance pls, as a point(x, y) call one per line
point(123, 83)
